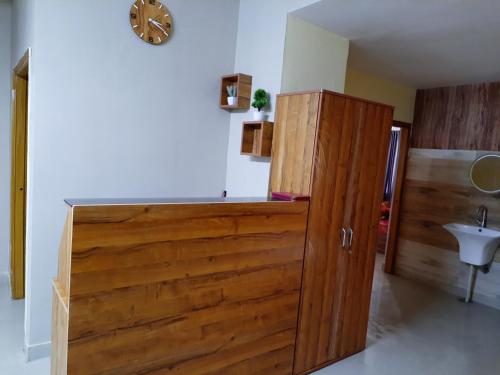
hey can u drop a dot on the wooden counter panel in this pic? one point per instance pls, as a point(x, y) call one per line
point(169, 299)
point(64, 265)
point(59, 332)
point(139, 225)
point(190, 289)
point(119, 257)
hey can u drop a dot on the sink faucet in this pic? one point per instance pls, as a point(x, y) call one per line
point(482, 216)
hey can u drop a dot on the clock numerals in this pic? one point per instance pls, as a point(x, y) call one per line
point(152, 2)
point(133, 16)
point(151, 40)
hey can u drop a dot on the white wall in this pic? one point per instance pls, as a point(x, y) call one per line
point(5, 87)
point(259, 52)
point(112, 116)
point(314, 58)
point(23, 23)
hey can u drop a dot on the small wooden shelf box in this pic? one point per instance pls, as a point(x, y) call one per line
point(243, 85)
point(257, 138)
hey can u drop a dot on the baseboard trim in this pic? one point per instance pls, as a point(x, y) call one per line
point(37, 351)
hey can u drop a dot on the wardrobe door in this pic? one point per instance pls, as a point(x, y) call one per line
point(293, 142)
point(325, 264)
point(361, 216)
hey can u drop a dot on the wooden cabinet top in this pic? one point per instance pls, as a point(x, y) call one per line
point(328, 92)
point(161, 201)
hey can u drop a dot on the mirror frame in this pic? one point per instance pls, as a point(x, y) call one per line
point(492, 192)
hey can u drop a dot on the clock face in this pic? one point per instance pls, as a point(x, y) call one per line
point(151, 21)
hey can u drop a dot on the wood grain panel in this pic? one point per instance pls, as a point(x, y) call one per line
point(322, 251)
point(437, 191)
point(59, 338)
point(293, 143)
point(185, 288)
point(364, 193)
point(463, 118)
point(18, 183)
point(64, 261)
point(442, 269)
point(350, 158)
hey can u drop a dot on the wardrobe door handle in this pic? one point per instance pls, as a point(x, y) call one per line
point(351, 234)
point(343, 236)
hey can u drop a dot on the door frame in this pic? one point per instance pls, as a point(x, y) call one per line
point(393, 232)
point(19, 155)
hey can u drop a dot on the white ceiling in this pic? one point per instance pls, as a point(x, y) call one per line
point(420, 43)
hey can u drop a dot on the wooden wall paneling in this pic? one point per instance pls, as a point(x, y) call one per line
point(188, 288)
point(293, 143)
point(441, 268)
point(462, 117)
point(437, 191)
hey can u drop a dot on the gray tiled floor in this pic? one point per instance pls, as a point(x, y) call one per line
point(12, 359)
point(417, 330)
point(414, 330)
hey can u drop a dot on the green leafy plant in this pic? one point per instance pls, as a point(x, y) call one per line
point(231, 91)
point(260, 99)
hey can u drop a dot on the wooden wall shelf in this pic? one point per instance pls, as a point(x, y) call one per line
point(243, 84)
point(257, 138)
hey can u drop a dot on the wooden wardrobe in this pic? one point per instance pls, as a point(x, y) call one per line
point(334, 148)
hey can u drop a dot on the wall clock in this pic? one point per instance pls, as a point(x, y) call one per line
point(151, 21)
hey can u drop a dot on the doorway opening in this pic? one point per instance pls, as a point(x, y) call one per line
point(391, 205)
point(20, 78)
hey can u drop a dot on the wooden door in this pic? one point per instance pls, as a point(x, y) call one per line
point(18, 177)
point(361, 214)
point(349, 163)
point(324, 262)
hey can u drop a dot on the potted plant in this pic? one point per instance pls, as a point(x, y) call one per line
point(232, 91)
point(260, 101)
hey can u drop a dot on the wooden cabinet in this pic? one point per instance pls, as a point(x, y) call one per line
point(333, 147)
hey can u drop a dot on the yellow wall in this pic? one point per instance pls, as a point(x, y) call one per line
point(371, 87)
point(314, 58)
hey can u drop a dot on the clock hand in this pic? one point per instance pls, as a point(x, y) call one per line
point(158, 25)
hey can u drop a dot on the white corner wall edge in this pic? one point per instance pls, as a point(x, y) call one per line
point(37, 351)
point(246, 175)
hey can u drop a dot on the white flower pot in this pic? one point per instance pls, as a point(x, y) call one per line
point(231, 100)
point(259, 116)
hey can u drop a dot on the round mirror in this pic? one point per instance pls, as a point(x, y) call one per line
point(485, 174)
